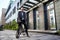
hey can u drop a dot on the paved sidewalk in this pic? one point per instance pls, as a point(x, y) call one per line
point(10, 35)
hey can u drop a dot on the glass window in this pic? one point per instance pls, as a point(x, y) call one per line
point(20, 1)
point(50, 5)
point(14, 10)
point(10, 14)
point(51, 17)
point(18, 4)
point(52, 11)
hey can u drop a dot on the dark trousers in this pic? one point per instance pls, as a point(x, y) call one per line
point(21, 28)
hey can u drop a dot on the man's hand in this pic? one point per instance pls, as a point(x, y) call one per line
point(18, 20)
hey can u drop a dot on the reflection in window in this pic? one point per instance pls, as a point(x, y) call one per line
point(50, 5)
point(52, 18)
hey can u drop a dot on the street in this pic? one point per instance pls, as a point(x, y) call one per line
point(10, 35)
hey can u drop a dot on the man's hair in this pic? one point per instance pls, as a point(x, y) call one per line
point(21, 7)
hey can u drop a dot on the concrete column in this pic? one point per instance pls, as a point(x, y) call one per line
point(31, 20)
point(41, 17)
point(57, 10)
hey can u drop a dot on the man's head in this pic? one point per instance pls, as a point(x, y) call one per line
point(22, 8)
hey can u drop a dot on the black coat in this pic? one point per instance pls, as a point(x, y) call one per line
point(20, 15)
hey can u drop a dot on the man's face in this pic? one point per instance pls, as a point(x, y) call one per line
point(22, 8)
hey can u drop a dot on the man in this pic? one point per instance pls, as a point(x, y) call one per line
point(22, 19)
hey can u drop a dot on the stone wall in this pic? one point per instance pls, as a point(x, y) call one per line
point(57, 9)
point(41, 17)
point(31, 19)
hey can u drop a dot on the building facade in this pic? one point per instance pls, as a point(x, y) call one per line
point(57, 11)
point(12, 11)
point(41, 14)
point(3, 16)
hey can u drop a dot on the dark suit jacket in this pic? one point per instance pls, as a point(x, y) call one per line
point(20, 15)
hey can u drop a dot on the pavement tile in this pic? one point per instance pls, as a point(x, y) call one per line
point(10, 35)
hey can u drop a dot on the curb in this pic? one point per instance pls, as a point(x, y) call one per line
point(43, 31)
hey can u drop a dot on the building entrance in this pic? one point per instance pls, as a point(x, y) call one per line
point(39, 17)
point(50, 16)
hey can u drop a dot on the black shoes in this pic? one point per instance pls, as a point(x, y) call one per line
point(17, 36)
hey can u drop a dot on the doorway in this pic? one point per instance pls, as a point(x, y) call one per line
point(49, 16)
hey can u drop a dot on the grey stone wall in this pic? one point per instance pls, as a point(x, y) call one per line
point(57, 9)
point(41, 17)
point(31, 19)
